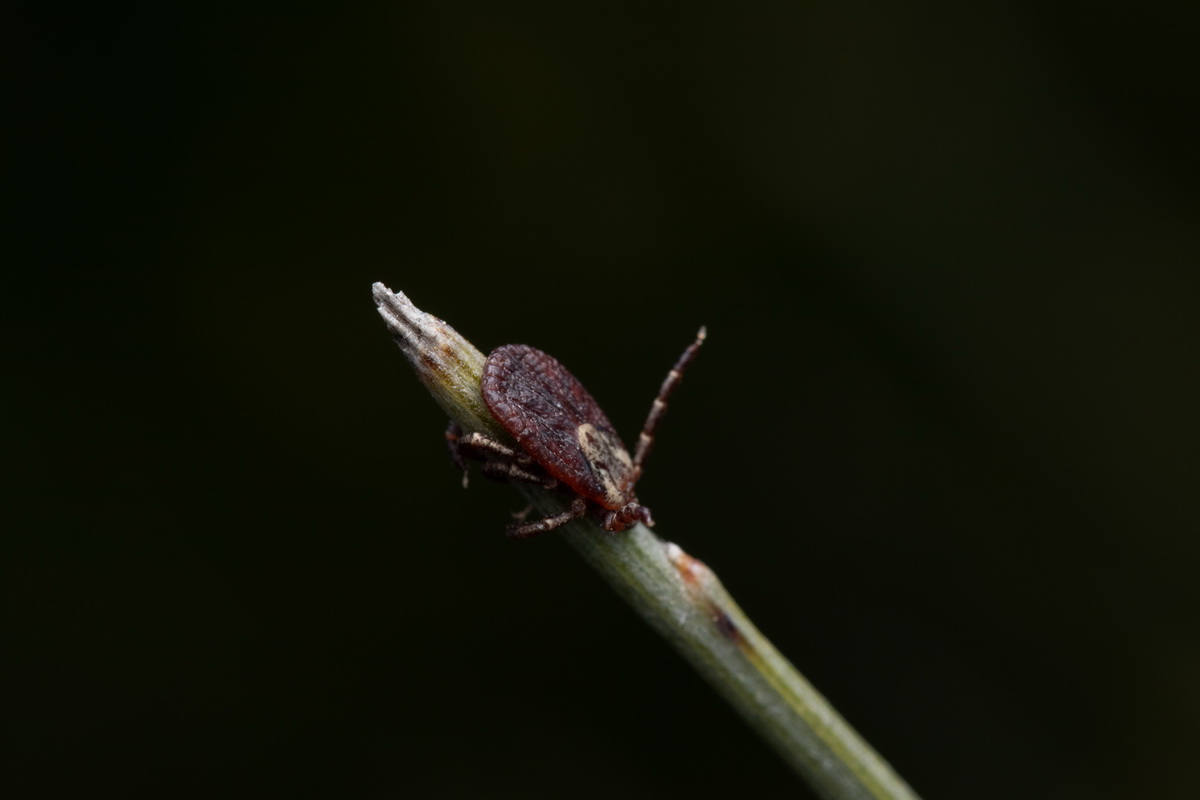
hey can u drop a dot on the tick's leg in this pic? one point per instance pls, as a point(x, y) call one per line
point(506, 470)
point(578, 509)
point(659, 407)
point(482, 447)
point(454, 436)
point(478, 445)
point(626, 516)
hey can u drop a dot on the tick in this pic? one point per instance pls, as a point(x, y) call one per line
point(564, 440)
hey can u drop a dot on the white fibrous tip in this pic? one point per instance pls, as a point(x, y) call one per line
point(408, 324)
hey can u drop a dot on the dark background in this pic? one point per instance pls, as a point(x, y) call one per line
point(942, 443)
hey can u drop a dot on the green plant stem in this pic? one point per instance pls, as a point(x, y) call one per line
point(675, 593)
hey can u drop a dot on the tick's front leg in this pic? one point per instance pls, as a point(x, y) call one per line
point(626, 516)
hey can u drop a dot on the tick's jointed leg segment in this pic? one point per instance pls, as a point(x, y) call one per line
point(506, 470)
point(453, 434)
point(499, 460)
point(626, 516)
point(477, 445)
point(659, 407)
point(578, 509)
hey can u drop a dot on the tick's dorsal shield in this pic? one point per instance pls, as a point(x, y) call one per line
point(558, 423)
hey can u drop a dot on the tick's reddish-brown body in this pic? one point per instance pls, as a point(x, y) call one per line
point(565, 439)
point(558, 423)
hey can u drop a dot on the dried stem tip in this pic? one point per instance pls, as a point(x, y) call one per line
point(448, 365)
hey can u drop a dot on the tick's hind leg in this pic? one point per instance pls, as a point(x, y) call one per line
point(480, 446)
point(659, 407)
point(454, 435)
point(499, 460)
point(524, 531)
point(508, 471)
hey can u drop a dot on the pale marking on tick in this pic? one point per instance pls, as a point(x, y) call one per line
point(598, 446)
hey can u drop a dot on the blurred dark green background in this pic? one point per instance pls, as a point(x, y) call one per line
point(942, 443)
